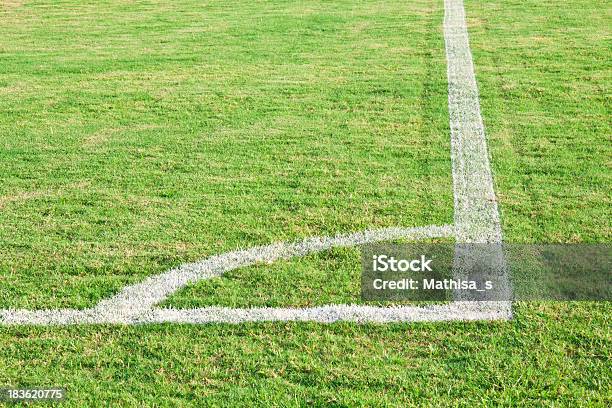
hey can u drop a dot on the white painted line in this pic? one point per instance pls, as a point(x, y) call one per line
point(476, 221)
point(476, 213)
point(463, 311)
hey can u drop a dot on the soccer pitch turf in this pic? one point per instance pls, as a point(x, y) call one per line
point(136, 136)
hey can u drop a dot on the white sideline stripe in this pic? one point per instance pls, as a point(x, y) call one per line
point(476, 221)
point(476, 213)
point(455, 311)
point(134, 303)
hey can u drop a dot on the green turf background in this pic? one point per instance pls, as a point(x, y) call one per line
point(543, 70)
point(135, 136)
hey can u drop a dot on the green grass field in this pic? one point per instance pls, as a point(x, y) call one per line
point(135, 136)
point(151, 134)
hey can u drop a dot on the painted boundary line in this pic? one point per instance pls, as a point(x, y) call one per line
point(476, 212)
point(476, 221)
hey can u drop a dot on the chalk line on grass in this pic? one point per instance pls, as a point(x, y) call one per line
point(476, 212)
point(134, 303)
point(464, 311)
point(476, 215)
point(476, 220)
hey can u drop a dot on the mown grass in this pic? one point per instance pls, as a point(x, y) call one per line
point(550, 355)
point(138, 136)
point(544, 71)
point(70, 116)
